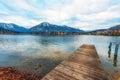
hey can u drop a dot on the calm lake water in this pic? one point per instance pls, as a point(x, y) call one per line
point(40, 54)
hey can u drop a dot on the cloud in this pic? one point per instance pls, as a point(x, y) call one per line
point(83, 14)
point(20, 20)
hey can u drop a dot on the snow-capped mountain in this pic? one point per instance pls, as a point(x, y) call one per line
point(47, 27)
point(12, 27)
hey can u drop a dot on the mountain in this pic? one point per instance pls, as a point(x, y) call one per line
point(43, 28)
point(98, 30)
point(12, 27)
point(4, 31)
point(114, 31)
point(52, 29)
point(117, 27)
point(47, 27)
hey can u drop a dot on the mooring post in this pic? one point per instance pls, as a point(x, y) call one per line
point(116, 49)
point(110, 45)
point(109, 51)
point(115, 55)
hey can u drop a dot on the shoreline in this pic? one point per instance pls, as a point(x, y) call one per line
point(10, 73)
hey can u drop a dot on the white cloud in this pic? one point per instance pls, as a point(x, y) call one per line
point(20, 21)
point(88, 12)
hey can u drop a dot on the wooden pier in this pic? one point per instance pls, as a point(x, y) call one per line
point(83, 64)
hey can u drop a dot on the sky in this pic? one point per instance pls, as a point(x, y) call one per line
point(82, 14)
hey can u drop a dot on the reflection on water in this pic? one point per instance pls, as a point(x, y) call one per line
point(40, 54)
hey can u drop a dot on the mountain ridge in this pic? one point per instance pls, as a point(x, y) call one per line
point(48, 28)
point(117, 27)
point(113, 31)
point(12, 27)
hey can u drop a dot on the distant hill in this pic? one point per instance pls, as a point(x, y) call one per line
point(115, 30)
point(117, 27)
point(98, 30)
point(12, 27)
point(47, 27)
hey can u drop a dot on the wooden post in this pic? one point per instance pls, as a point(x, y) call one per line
point(109, 51)
point(115, 55)
point(110, 45)
point(116, 49)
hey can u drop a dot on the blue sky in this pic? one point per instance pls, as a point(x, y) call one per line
point(82, 14)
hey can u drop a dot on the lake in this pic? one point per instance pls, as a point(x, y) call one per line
point(39, 54)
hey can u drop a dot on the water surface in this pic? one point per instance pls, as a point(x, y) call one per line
point(40, 54)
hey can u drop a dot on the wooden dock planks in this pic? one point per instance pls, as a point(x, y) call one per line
point(83, 64)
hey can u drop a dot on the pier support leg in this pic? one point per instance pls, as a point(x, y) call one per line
point(115, 55)
point(109, 51)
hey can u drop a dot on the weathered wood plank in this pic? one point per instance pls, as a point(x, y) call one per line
point(83, 64)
